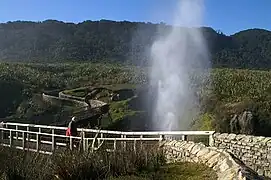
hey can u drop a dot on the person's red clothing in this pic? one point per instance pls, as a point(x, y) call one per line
point(68, 132)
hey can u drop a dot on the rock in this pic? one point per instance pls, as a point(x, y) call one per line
point(228, 174)
point(216, 134)
point(246, 122)
point(223, 165)
point(269, 157)
point(247, 139)
point(197, 148)
point(266, 140)
point(190, 147)
point(234, 124)
point(232, 136)
point(243, 123)
point(203, 151)
point(208, 155)
point(240, 137)
point(223, 136)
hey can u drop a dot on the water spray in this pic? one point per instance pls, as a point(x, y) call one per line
point(173, 58)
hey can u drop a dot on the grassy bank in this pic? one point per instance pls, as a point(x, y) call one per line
point(142, 164)
point(232, 90)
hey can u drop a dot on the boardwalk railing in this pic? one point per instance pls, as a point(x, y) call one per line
point(47, 139)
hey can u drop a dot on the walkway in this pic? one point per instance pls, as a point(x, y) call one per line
point(47, 139)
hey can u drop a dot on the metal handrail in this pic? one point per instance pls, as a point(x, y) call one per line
point(117, 132)
point(55, 138)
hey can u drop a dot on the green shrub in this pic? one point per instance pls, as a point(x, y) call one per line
point(101, 164)
point(16, 164)
point(70, 165)
point(228, 86)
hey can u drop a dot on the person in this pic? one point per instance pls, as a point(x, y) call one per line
point(72, 131)
point(87, 99)
point(72, 128)
point(2, 124)
point(3, 133)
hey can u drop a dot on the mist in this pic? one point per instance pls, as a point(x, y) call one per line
point(175, 55)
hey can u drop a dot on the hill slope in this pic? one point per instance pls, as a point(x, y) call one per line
point(125, 41)
point(233, 91)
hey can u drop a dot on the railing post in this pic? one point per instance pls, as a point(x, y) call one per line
point(10, 138)
point(115, 145)
point(6, 132)
point(2, 134)
point(27, 136)
point(211, 140)
point(83, 138)
point(124, 143)
point(53, 140)
point(71, 143)
point(27, 129)
point(141, 143)
point(16, 127)
point(184, 137)
point(99, 140)
point(23, 140)
point(135, 146)
point(161, 138)
point(37, 142)
point(87, 144)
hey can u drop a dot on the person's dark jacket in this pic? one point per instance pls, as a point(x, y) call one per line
point(73, 128)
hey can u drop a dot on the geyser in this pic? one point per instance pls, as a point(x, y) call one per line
point(178, 52)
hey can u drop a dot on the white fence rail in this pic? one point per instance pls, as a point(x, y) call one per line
point(46, 139)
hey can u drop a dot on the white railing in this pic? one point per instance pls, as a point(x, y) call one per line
point(46, 139)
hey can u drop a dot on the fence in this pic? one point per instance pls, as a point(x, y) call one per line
point(47, 139)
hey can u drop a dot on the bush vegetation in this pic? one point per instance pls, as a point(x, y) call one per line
point(122, 42)
point(148, 163)
point(232, 90)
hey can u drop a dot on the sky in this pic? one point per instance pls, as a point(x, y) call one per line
point(228, 16)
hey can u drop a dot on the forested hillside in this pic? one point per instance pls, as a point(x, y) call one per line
point(124, 41)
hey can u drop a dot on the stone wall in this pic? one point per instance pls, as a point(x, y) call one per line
point(93, 103)
point(226, 166)
point(254, 151)
point(82, 111)
point(63, 95)
point(59, 101)
point(96, 103)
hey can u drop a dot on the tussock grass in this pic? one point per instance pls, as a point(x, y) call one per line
point(70, 165)
point(144, 163)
